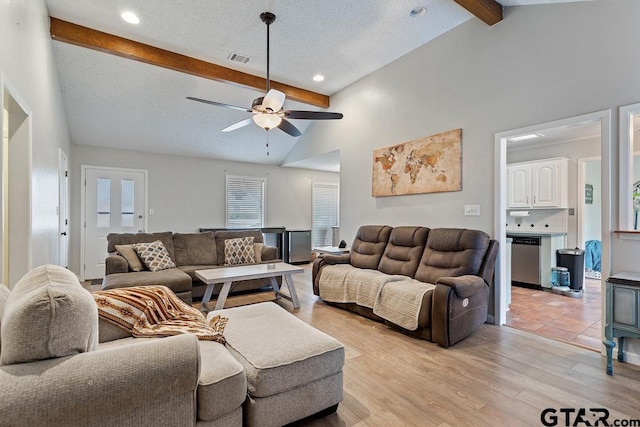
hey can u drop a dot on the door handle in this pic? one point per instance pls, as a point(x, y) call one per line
point(63, 233)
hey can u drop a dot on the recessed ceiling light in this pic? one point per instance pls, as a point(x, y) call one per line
point(525, 137)
point(130, 17)
point(318, 78)
point(418, 11)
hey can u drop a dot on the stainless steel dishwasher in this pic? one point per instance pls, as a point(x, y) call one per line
point(525, 260)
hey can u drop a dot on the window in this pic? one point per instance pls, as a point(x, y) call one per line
point(326, 202)
point(245, 201)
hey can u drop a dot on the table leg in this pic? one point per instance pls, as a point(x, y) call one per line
point(609, 344)
point(205, 299)
point(274, 285)
point(222, 297)
point(292, 291)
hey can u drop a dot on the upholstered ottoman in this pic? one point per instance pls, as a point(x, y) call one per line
point(293, 370)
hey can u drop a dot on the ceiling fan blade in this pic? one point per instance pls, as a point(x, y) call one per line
point(312, 115)
point(238, 125)
point(274, 100)
point(219, 104)
point(289, 128)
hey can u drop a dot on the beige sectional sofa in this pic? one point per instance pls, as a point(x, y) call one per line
point(189, 251)
point(429, 283)
point(60, 365)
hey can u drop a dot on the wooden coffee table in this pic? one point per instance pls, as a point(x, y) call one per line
point(228, 275)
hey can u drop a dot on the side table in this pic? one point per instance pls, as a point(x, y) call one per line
point(622, 320)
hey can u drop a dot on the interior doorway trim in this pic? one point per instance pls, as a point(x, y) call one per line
point(16, 233)
point(500, 206)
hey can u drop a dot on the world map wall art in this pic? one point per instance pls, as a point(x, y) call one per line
point(432, 164)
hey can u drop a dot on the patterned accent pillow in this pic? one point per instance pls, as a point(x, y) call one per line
point(239, 251)
point(154, 255)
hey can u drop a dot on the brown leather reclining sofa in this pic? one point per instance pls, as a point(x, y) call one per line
point(459, 262)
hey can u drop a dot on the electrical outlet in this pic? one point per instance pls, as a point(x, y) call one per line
point(152, 211)
point(472, 210)
point(572, 211)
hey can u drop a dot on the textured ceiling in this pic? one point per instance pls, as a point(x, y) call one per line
point(115, 102)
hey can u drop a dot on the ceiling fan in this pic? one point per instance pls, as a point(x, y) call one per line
point(267, 110)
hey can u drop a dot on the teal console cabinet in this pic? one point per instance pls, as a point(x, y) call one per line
point(622, 303)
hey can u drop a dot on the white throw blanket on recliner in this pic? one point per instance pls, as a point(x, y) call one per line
point(395, 298)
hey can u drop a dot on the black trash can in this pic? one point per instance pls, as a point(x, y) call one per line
point(573, 259)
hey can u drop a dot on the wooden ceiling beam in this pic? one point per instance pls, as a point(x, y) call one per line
point(92, 39)
point(488, 11)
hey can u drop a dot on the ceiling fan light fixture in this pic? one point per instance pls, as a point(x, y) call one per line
point(267, 120)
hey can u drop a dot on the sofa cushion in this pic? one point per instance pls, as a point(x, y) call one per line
point(452, 252)
point(174, 279)
point(191, 270)
point(154, 256)
point(195, 248)
point(165, 237)
point(239, 251)
point(48, 314)
point(131, 256)
point(223, 384)
point(404, 250)
point(368, 246)
point(282, 353)
point(221, 236)
point(257, 248)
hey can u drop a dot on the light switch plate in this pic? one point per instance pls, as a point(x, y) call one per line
point(471, 210)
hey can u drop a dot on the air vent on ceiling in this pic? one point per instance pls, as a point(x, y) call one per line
point(236, 57)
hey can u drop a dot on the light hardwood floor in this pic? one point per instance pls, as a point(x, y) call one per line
point(499, 376)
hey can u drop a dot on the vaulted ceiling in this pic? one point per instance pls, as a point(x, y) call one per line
point(125, 86)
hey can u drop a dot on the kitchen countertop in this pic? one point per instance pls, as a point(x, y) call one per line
point(535, 233)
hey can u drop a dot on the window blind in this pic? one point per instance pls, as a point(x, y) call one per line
point(326, 212)
point(245, 202)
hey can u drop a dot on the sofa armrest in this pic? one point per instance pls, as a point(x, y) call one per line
point(336, 259)
point(105, 387)
point(269, 253)
point(115, 263)
point(455, 316)
point(463, 286)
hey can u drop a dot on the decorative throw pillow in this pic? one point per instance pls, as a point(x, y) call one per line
point(257, 248)
point(239, 251)
point(154, 255)
point(131, 256)
point(48, 314)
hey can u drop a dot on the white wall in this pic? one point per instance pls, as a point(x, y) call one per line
point(542, 63)
point(28, 66)
point(593, 225)
point(189, 193)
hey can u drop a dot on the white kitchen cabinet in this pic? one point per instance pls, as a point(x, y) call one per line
point(539, 184)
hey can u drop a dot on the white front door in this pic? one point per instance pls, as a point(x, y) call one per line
point(114, 202)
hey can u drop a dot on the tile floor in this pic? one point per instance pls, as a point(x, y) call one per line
point(573, 320)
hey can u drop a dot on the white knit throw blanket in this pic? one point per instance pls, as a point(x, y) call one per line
point(395, 298)
point(400, 302)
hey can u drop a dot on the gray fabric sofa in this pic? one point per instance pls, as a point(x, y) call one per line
point(189, 251)
point(428, 283)
point(60, 365)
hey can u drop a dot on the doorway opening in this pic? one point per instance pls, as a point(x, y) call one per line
point(15, 175)
point(583, 140)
